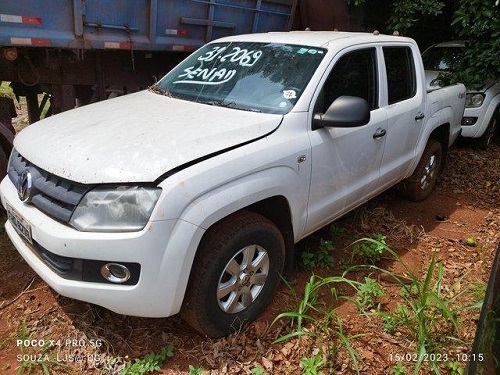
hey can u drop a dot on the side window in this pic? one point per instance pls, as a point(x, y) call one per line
point(355, 74)
point(401, 77)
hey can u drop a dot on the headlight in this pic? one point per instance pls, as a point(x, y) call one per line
point(115, 209)
point(474, 100)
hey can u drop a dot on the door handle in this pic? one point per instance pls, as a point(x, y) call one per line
point(419, 116)
point(379, 133)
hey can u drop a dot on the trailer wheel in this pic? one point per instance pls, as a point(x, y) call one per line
point(423, 181)
point(234, 275)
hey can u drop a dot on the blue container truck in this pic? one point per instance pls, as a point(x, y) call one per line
point(84, 49)
point(75, 52)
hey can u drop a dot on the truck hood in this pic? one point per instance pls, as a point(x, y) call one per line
point(136, 137)
point(430, 76)
point(431, 84)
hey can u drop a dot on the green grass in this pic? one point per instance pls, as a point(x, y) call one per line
point(425, 315)
point(31, 360)
point(328, 331)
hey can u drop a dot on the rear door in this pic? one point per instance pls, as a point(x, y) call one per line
point(405, 107)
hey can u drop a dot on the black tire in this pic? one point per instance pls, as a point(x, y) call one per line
point(423, 180)
point(223, 247)
point(487, 138)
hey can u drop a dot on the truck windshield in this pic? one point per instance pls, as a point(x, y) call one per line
point(442, 58)
point(260, 77)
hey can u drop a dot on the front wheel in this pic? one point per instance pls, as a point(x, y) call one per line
point(423, 181)
point(487, 138)
point(234, 275)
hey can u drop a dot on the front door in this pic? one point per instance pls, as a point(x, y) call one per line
point(346, 161)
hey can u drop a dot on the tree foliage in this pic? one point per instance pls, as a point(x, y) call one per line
point(478, 22)
point(475, 21)
point(405, 13)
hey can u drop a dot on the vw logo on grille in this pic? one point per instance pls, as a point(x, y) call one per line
point(24, 186)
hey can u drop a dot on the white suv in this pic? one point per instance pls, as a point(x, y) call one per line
point(482, 108)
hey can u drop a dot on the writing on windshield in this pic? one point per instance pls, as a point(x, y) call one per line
point(264, 77)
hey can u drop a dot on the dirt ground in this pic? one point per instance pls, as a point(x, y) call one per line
point(91, 340)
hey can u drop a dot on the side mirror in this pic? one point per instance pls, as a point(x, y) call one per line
point(344, 112)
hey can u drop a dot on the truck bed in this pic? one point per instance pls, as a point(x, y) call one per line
point(149, 25)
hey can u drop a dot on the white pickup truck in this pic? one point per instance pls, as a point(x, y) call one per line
point(188, 197)
point(482, 105)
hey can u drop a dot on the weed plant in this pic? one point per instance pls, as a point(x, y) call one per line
point(195, 370)
point(149, 364)
point(454, 368)
point(336, 231)
point(257, 370)
point(369, 293)
point(370, 250)
point(398, 369)
point(322, 258)
point(312, 365)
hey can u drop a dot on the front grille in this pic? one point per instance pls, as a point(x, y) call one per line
point(61, 265)
point(53, 195)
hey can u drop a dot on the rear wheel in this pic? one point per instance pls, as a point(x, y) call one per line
point(234, 275)
point(423, 181)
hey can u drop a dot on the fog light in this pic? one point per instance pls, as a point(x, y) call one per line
point(115, 273)
point(468, 121)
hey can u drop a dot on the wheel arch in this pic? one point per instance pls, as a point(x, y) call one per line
point(277, 210)
point(492, 110)
point(442, 135)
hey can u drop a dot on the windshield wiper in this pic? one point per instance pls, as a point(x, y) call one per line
point(231, 104)
point(217, 103)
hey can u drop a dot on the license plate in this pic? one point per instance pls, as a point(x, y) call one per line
point(20, 224)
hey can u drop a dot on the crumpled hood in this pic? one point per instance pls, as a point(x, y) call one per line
point(136, 137)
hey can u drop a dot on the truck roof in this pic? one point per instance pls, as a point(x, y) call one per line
point(314, 38)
